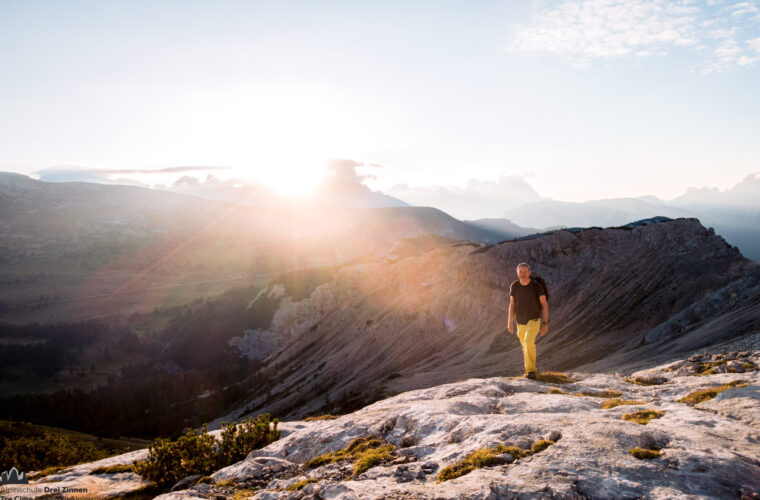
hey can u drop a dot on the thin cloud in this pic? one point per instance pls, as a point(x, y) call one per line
point(125, 171)
point(730, 54)
point(143, 177)
point(166, 170)
point(581, 32)
point(744, 8)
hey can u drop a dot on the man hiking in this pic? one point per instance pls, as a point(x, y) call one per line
point(528, 302)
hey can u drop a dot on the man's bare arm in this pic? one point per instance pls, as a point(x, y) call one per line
point(544, 315)
point(544, 309)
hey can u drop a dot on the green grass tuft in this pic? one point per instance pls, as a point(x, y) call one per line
point(646, 380)
point(47, 471)
point(371, 458)
point(242, 494)
point(612, 403)
point(320, 417)
point(486, 457)
point(708, 368)
point(365, 452)
point(642, 453)
point(114, 469)
point(541, 445)
point(642, 417)
point(554, 378)
point(600, 394)
point(706, 394)
point(594, 394)
point(475, 460)
point(300, 484)
point(516, 452)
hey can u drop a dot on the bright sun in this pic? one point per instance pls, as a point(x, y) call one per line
point(293, 181)
point(290, 174)
point(277, 134)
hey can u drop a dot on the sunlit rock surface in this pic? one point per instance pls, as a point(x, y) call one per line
point(77, 481)
point(708, 450)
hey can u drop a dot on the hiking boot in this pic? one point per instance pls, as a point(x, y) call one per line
point(531, 375)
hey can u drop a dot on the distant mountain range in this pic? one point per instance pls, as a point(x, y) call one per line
point(478, 199)
point(603, 213)
point(734, 213)
point(62, 240)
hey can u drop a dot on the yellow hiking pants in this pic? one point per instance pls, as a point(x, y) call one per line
point(527, 335)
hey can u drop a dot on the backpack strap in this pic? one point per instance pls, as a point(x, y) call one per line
point(538, 289)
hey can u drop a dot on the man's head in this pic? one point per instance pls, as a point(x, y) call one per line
point(523, 271)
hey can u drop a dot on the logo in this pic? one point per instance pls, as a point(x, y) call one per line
point(13, 476)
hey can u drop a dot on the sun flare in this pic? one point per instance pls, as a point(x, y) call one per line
point(295, 179)
point(293, 182)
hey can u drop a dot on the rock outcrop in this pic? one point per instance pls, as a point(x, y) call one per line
point(699, 443)
point(620, 297)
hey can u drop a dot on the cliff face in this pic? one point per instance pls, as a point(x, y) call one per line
point(618, 297)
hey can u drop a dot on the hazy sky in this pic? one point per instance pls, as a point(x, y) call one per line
point(585, 100)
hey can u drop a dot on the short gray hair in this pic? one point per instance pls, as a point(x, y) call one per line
point(523, 264)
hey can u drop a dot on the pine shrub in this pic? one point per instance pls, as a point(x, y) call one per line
point(201, 453)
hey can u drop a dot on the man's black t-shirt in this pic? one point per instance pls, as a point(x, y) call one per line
point(527, 305)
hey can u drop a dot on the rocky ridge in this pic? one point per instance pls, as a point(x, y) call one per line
point(620, 297)
point(707, 449)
